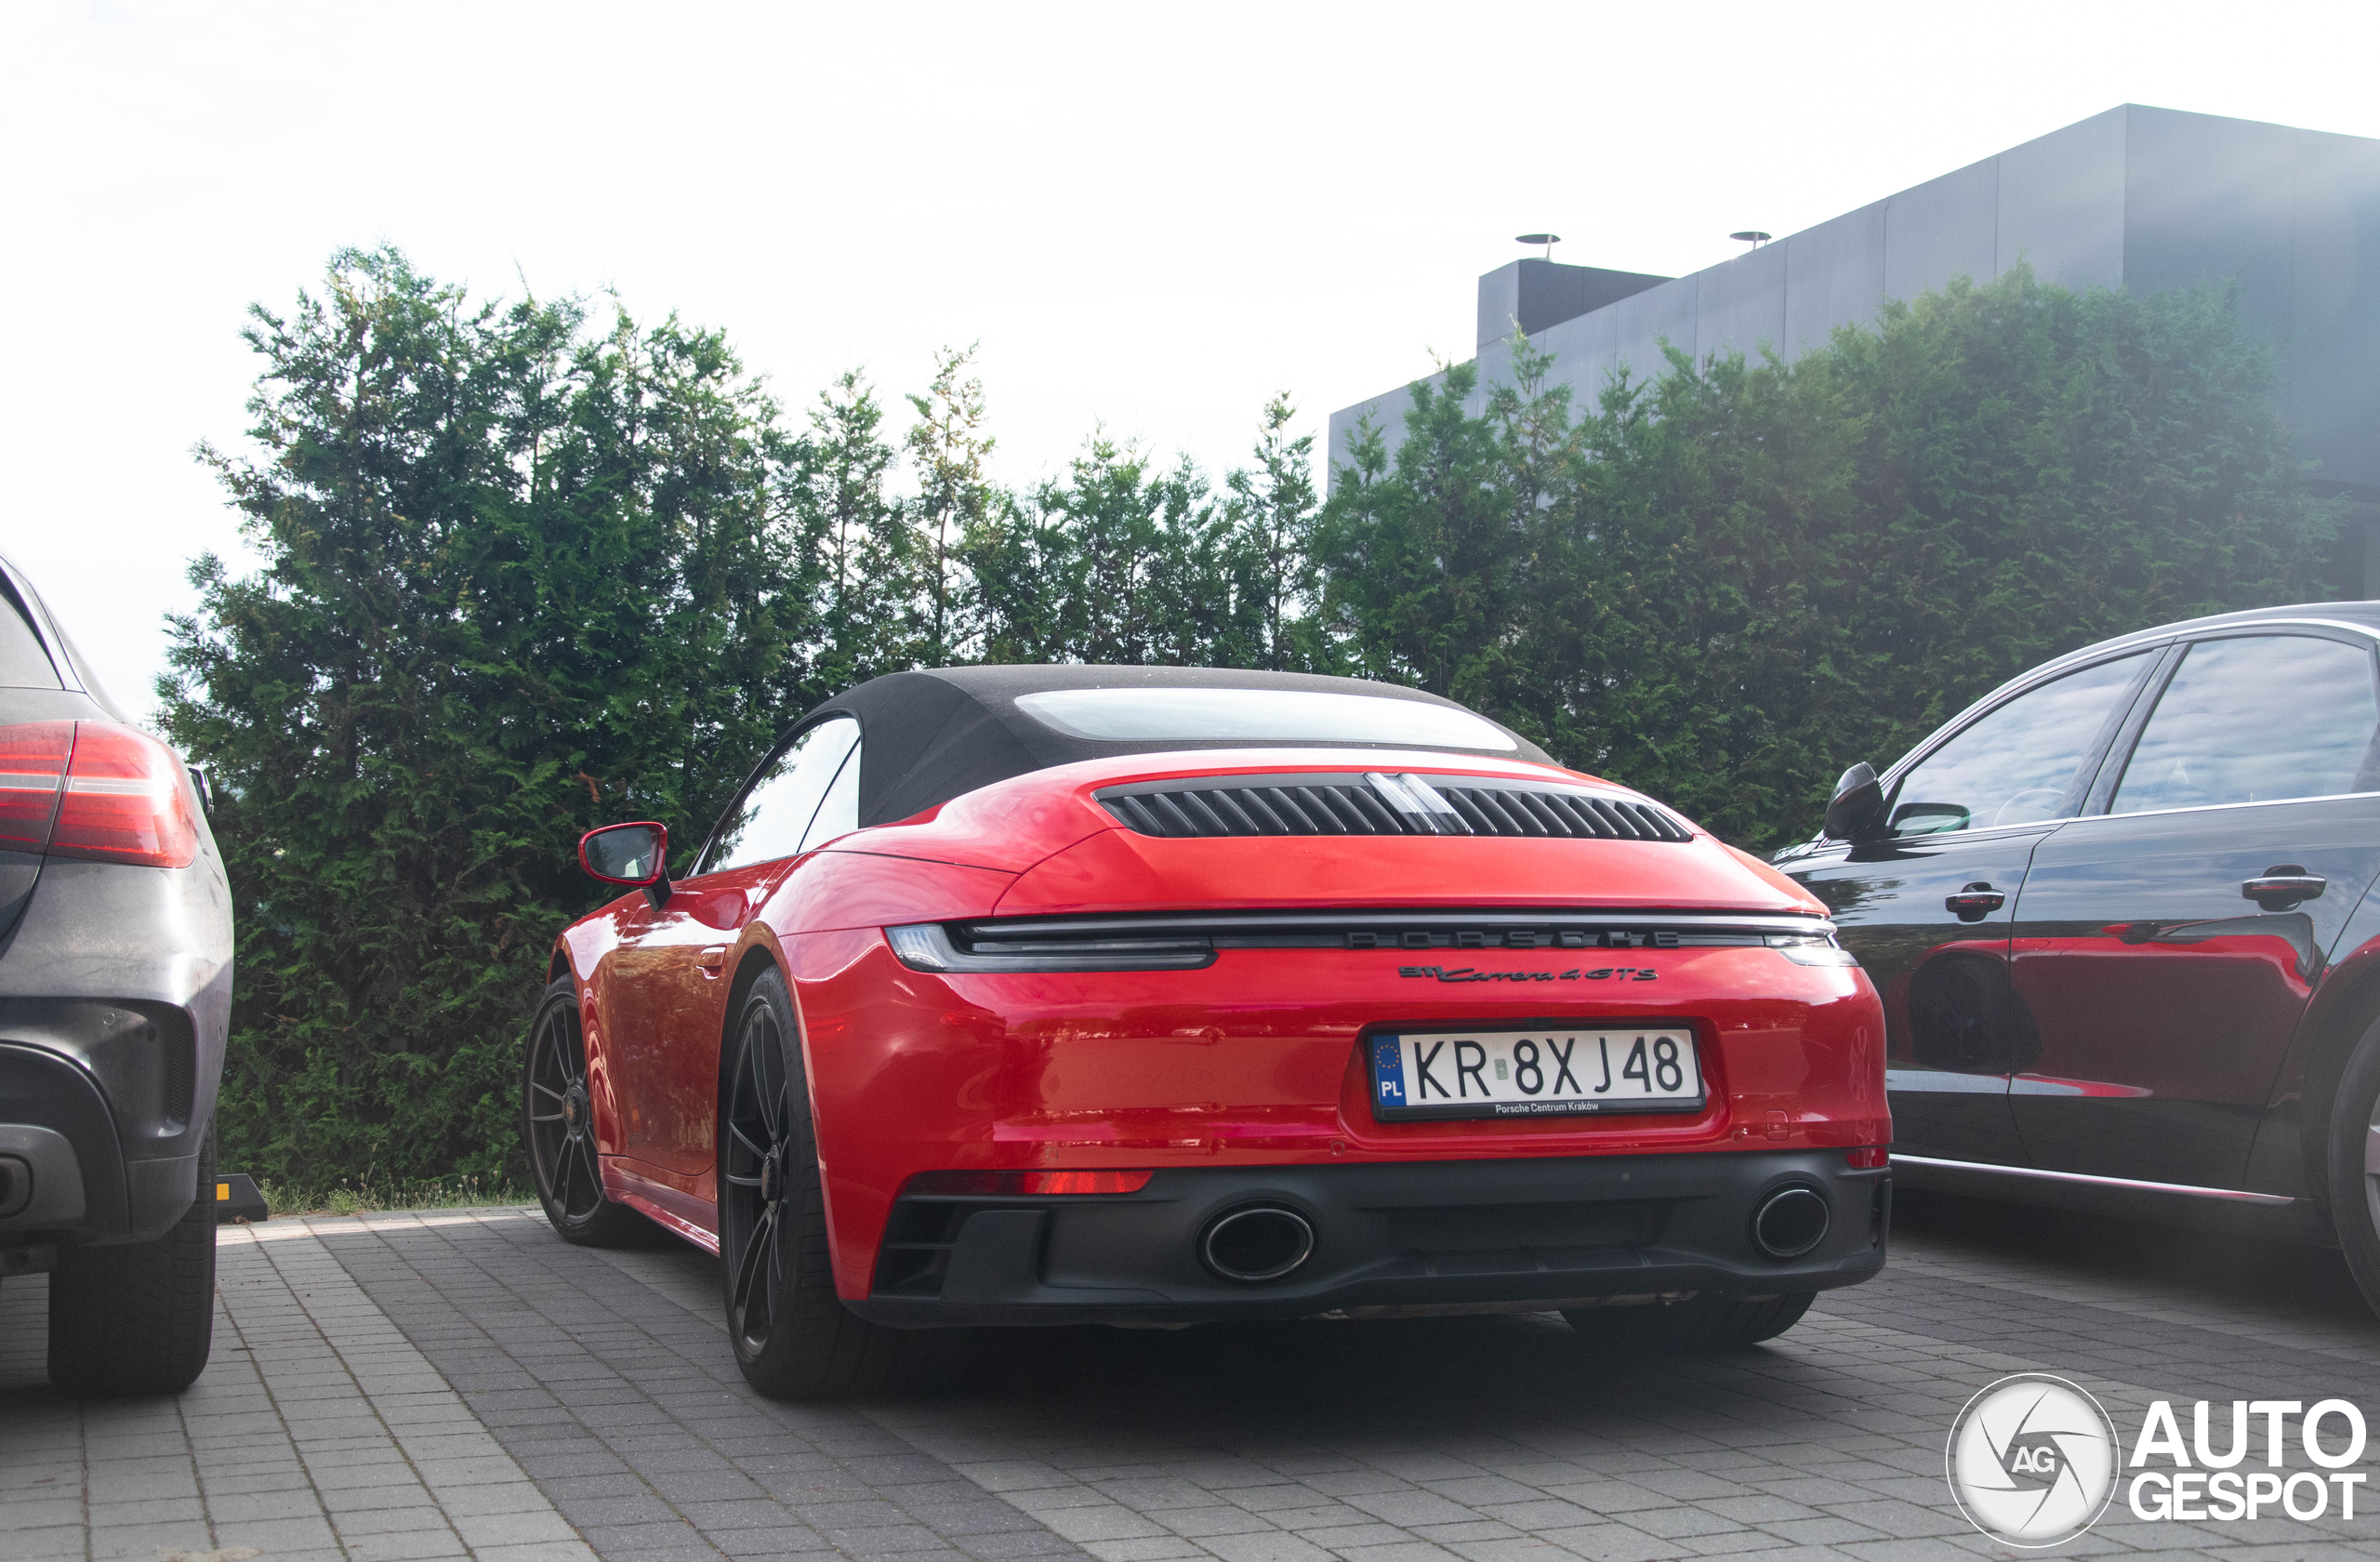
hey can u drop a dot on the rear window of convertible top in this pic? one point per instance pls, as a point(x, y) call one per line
point(1258, 715)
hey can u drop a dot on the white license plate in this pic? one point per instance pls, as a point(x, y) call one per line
point(1541, 1072)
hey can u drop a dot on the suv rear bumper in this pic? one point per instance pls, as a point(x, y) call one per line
point(115, 998)
point(68, 1172)
point(1484, 1235)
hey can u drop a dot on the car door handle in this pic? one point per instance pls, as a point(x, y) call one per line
point(1976, 901)
point(2279, 888)
point(712, 958)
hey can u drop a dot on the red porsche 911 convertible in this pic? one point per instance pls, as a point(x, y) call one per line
point(1057, 994)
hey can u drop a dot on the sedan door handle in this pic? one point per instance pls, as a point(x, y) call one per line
point(2279, 888)
point(1976, 901)
point(711, 958)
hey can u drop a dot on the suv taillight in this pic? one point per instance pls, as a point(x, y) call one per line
point(125, 798)
point(33, 758)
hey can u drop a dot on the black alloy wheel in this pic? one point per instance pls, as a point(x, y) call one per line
point(757, 1120)
point(793, 1338)
point(558, 1121)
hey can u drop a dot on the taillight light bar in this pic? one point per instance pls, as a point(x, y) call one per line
point(929, 946)
point(97, 792)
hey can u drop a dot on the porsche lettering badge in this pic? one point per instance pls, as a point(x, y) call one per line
point(1471, 974)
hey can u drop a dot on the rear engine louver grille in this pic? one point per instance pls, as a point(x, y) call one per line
point(1342, 804)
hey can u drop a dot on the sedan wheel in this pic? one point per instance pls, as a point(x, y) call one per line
point(2354, 1163)
point(792, 1338)
point(558, 1120)
point(2372, 1165)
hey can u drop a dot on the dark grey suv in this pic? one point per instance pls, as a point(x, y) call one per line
point(115, 993)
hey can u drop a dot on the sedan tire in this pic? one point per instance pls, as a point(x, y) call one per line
point(558, 1124)
point(793, 1338)
point(2355, 1162)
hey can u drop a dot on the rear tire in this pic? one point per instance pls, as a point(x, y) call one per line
point(139, 1317)
point(558, 1125)
point(1702, 1323)
point(793, 1338)
point(2355, 1164)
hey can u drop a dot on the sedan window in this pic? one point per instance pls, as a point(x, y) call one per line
point(2258, 719)
point(776, 813)
point(2015, 764)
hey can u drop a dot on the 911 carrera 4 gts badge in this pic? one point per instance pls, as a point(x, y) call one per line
point(1471, 974)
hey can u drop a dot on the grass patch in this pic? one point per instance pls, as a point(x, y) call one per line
point(356, 1196)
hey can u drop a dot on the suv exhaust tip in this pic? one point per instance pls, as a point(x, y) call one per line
point(1259, 1243)
point(1791, 1222)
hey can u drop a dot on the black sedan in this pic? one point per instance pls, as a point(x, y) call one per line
point(2117, 913)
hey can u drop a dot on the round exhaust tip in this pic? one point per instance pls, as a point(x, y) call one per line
point(1791, 1222)
point(1257, 1244)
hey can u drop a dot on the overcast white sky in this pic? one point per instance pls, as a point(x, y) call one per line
point(1150, 216)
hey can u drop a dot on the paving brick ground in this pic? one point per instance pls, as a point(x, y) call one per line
point(463, 1384)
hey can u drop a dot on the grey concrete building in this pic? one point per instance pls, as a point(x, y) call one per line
point(2138, 198)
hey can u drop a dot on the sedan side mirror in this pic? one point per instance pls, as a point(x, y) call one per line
point(1858, 801)
point(635, 854)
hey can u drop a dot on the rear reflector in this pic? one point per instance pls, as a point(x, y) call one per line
point(1867, 1158)
point(32, 758)
point(1013, 1183)
point(128, 799)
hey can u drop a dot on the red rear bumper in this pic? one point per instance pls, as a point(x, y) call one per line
point(1254, 1062)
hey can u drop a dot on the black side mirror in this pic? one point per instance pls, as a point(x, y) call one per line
point(635, 854)
point(1858, 806)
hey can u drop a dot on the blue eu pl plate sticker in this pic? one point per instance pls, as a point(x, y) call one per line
point(1388, 1071)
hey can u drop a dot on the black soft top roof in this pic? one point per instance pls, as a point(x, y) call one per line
point(929, 736)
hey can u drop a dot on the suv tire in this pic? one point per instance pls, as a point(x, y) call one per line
point(792, 1336)
point(139, 1317)
point(1700, 1323)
